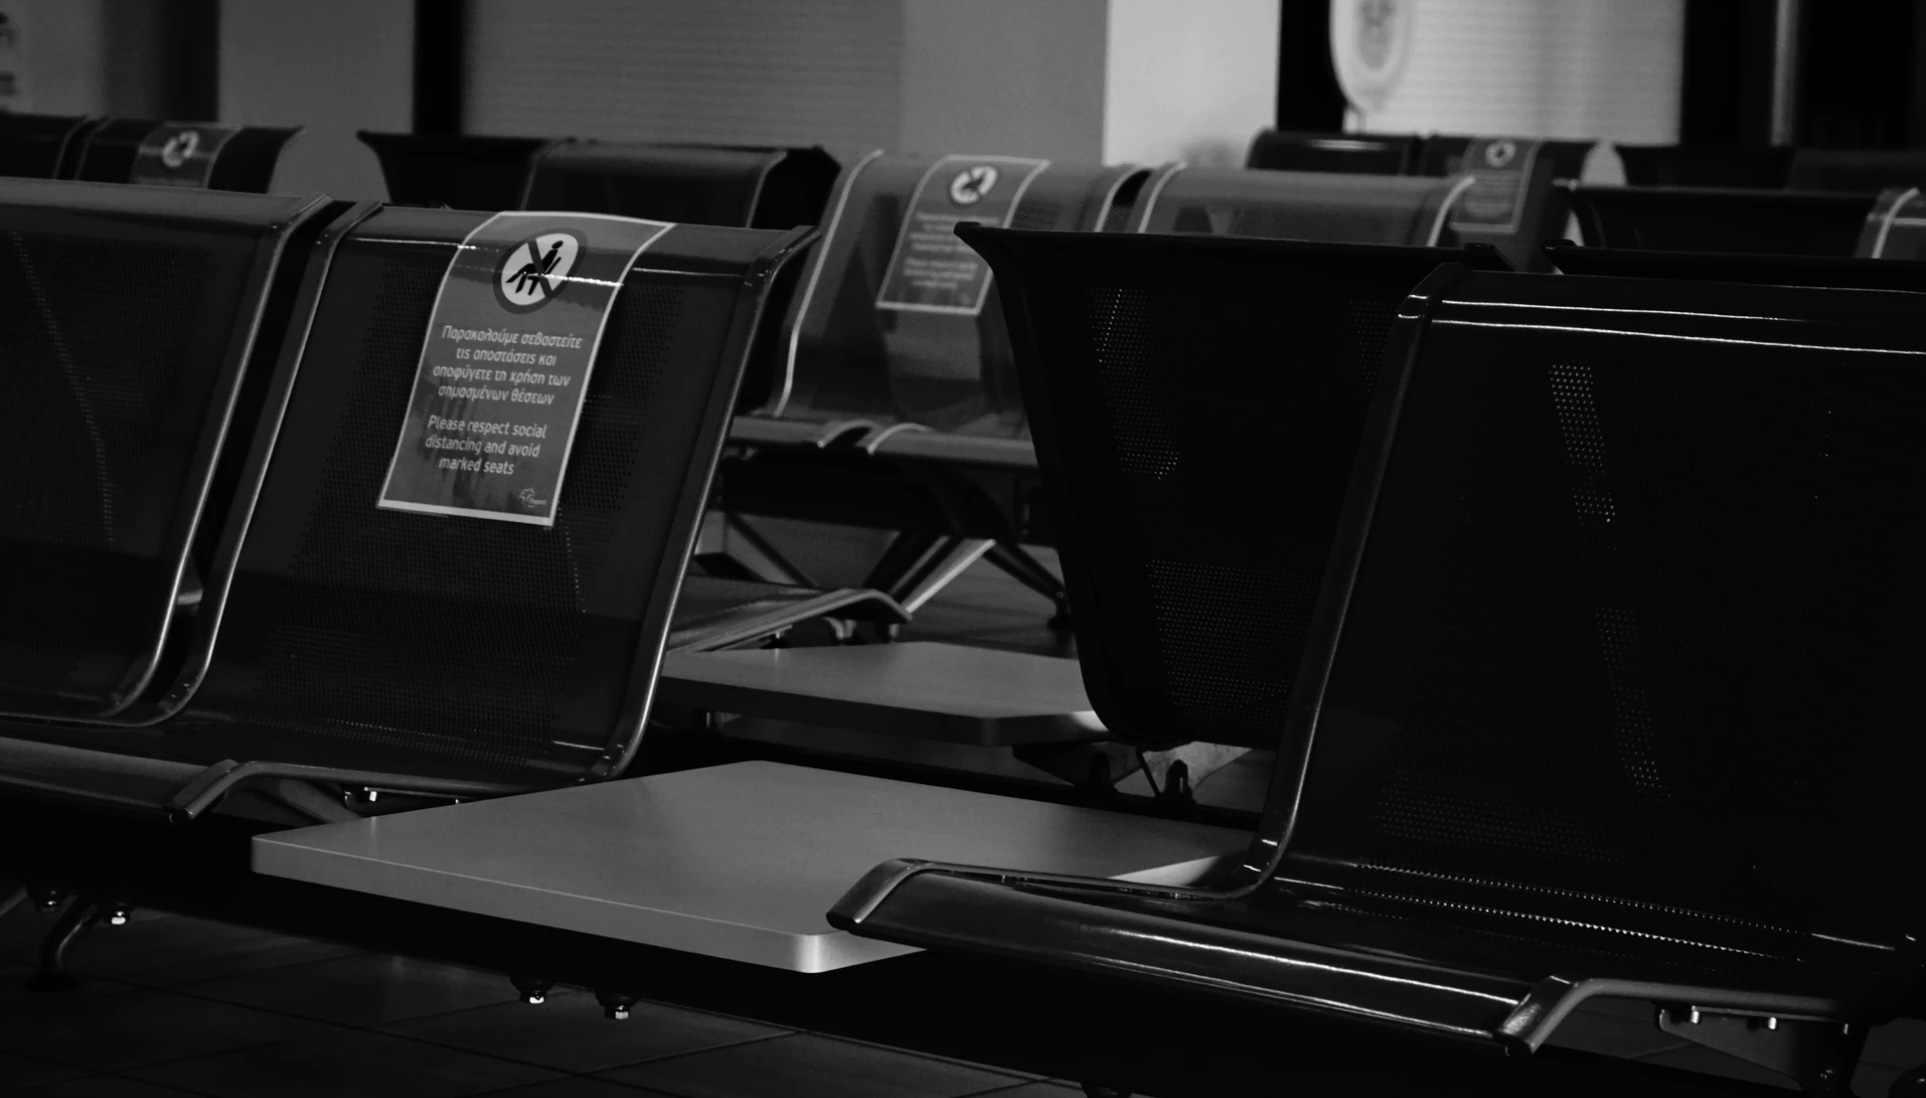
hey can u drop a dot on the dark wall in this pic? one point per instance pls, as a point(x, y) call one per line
point(1308, 96)
point(1861, 82)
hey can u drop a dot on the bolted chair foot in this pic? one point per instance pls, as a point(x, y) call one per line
point(616, 1005)
point(532, 990)
point(1910, 1085)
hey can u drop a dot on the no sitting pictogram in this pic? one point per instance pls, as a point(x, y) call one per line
point(180, 148)
point(972, 184)
point(532, 271)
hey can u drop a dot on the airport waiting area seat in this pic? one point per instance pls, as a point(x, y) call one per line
point(1732, 167)
point(1514, 209)
point(1197, 422)
point(739, 186)
point(1856, 171)
point(1852, 273)
point(420, 653)
point(460, 171)
point(141, 327)
point(1515, 203)
point(1445, 154)
point(907, 418)
point(216, 156)
point(1608, 691)
point(1165, 546)
point(1319, 206)
point(41, 146)
point(755, 188)
point(1709, 219)
point(1357, 154)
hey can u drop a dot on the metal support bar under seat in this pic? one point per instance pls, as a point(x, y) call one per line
point(58, 946)
point(1817, 1054)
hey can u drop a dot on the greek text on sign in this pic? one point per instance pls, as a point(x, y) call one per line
point(512, 339)
point(930, 270)
point(180, 154)
point(1500, 168)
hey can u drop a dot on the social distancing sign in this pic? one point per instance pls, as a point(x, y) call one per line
point(1501, 171)
point(930, 270)
point(498, 391)
point(180, 154)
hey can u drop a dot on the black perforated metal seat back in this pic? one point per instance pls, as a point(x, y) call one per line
point(1856, 171)
point(1197, 406)
point(1703, 219)
point(1373, 154)
point(246, 162)
point(1299, 205)
point(463, 172)
point(1759, 166)
point(698, 184)
point(35, 146)
point(127, 319)
point(456, 647)
point(1444, 155)
point(1908, 275)
point(847, 359)
point(1631, 662)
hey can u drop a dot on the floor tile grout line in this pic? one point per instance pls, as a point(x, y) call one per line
point(1020, 1076)
point(136, 978)
point(151, 1083)
point(598, 1073)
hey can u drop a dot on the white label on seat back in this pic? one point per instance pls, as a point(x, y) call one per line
point(180, 154)
point(930, 270)
point(498, 391)
point(1500, 169)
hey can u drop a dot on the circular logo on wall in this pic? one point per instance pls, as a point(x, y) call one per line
point(1370, 42)
point(531, 272)
point(971, 184)
point(180, 148)
point(1500, 153)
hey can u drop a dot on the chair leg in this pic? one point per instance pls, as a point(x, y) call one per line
point(902, 556)
point(919, 563)
point(57, 947)
point(785, 570)
point(939, 569)
point(1910, 1085)
point(14, 899)
point(616, 1003)
point(532, 990)
point(1030, 572)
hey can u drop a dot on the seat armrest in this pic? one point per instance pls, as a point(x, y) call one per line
point(100, 778)
point(1194, 939)
point(173, 790)
point(1142, 933)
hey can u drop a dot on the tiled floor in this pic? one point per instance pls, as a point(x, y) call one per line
point(174, 1005)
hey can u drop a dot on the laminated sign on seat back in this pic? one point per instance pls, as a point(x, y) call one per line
point(499, 387)
point(428, 641)
point(897, 321)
